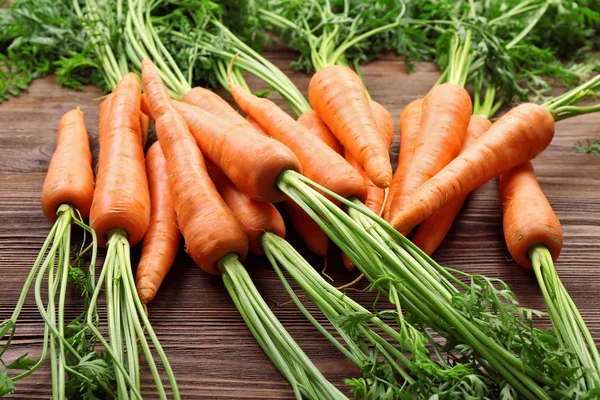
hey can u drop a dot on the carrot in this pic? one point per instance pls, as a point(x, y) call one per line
point(145, 107)
point(312, 235)
point(534, 238)
point(433, 230)
point(144, 127)
point(515, 138)
point(338, 95)
point(446, 112)
point(528, 218)
point(222, 140)
point(121, 199)
point(384, 122)
point(319, 162)
point(315, 124)
point(162, 239)
point(256, 217)
point(210, 230)
point(410, 124)
point(70, 179)
point(375, 195)
point(213, 103)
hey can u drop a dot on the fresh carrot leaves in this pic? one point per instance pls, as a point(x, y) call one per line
point(33, 36)
point(22, 363)
point(590, 147)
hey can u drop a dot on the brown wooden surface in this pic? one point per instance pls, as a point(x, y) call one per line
point(212, 352)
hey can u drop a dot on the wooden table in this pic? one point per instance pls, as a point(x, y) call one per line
point(211, 350)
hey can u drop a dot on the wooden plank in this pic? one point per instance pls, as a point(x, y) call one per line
point(211, 350)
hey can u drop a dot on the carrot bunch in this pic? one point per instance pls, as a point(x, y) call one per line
point(421, 375)
point(66, 201)
point(120, 215)
point(214, 237)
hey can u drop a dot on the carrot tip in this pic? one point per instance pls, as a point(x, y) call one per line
point(146, 295)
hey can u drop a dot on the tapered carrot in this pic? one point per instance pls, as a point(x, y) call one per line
point(528, 218)
point(515, 138)
point(145, 107)
point(384, 122)
point(256, 217)
point(410, 124)
point(319, 162)
point(375, 195)
point(121, 199)
point(70, 179)
point(312, 235)
point(223, 140)
point(162, 240)
point(315, 124)
point(433, 230)
point(446, 112)
point(338, 95)
point(209, 228)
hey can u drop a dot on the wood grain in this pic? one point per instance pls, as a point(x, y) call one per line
point(211, 350)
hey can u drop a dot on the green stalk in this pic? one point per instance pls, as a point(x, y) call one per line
point(511, 368)
point(566, 319)
point(337, 308)
point(562, 107)
point(280, 347)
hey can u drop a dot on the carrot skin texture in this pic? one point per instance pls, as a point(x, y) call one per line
point(528, 218)
point(311, 121)
point(311, 233)
point(432, 232)
point(517, 137)
point(410, 125)
point(121, 199)
point(70, 178)
point(213, 103)
point(445, 116)
point(338, 95)
point(251, 161)
point(256, 217)
point(319, 162)
point(209, 228)
point(145, 107)
point(162, 240)
point(384, 122)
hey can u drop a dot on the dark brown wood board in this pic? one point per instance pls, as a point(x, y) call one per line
point(212, 352)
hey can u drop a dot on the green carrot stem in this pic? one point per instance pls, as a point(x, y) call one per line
point(565, 316)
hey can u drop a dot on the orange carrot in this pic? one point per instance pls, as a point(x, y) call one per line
point(338, 95)
point(446, 113)
point(256, 217)
point(319, 162)
point(223, 141)
point(311, 233)
point(433, 230)
point(313, 236)
point(121, 199)
point(515, 138)
point(375, 195)
point(145, 107)
point(144, 127)
point(162, 239)
point(410, 124)
point(384, 122)
point(528, 218)
point(315, 124)
point(70, 178)
point(209, 228)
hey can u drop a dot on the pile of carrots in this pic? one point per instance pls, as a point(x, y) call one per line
point(213, 178)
